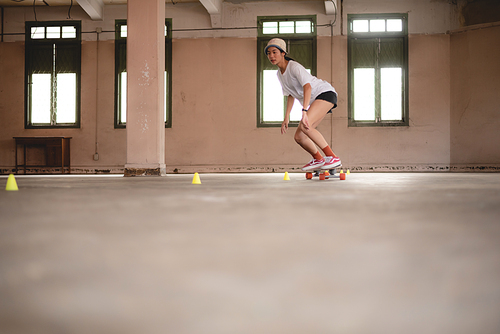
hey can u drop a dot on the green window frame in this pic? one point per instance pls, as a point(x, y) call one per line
point(121, 70)
point(52, 74)
point(299, 33)
point(378, 69)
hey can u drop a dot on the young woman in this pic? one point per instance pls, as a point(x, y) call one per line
point(317, 97)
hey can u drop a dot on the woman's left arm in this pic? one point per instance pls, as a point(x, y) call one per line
point(307, 99)
point(307, 95)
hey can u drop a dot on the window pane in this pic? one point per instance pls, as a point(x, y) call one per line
point(360, 25)
point(123, 31)
point(66, 98)
point(303, 27)
point(391, 81)
point(68, 32)
point(287, 27)
point(37, 32)
point(364, 94)
point(123, 97)
point(296, 114)
point(40, 98)
point(270, 28)
point(395, 25)
point(377, 25)
point(272, 98)
point(53, 32)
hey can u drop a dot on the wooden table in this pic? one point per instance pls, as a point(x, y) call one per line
point(57, 151)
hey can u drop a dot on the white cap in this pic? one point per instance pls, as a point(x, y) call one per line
point(277, 43)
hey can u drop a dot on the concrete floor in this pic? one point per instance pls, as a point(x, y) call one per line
point(251, 253)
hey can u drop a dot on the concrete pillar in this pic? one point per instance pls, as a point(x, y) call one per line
point(145, 87)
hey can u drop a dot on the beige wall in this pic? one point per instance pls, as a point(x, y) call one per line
point(424, 145)
point(475, 89)
point(214, 104)
point(111, 141)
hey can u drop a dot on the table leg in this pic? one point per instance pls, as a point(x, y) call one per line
point(62, 154)
point(17, 167)
point(24, 147)
point(69, 155)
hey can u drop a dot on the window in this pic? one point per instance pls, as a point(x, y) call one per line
point(121, 73)
point(52, 74)
point(299, 32)
point(378, 69)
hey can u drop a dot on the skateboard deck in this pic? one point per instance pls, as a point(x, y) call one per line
point(323, 174)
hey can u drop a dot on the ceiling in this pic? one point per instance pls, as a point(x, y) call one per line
point(95, 8)
point(14, 3)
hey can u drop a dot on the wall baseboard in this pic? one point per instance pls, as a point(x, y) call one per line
point(459, 168)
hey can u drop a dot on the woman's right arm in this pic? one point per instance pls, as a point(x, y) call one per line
point(289, 105)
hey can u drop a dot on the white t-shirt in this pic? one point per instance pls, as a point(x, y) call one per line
point(294, 79)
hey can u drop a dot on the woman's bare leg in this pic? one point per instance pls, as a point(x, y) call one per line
point(309, 138)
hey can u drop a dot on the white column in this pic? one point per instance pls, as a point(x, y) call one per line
point(145, 88)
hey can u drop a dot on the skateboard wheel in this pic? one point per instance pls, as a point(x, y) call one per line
point(342, 176)
point(322, 176)
point(327, 173)
point(309, 176)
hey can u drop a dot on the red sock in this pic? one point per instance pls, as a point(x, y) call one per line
point(317, 156)
point(328, 151)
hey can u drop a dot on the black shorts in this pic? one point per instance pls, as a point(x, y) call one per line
point(329, 97)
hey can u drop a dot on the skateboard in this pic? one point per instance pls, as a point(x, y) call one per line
point(323, 174)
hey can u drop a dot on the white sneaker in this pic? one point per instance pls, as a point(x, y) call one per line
point(331, 162)
point(313, 165)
